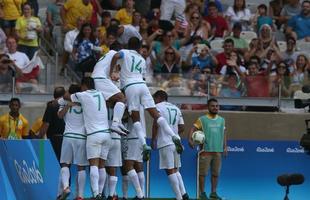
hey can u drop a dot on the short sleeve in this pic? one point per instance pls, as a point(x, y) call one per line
point(25, 131)
point(230, 12)
point(75, 97)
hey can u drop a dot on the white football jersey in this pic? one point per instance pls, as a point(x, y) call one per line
point(73, 119)
point(94, 110)
point(173, 116)
point(132, 66)
point(102, 67)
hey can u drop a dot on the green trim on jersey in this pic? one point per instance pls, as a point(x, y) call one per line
point(130, 84)
point(101, 131)
point(214, 133)
point(99, 78)
point(132, 138)
point(75, 137)
point(113, 138)
point(75, 134)
point(165, 146)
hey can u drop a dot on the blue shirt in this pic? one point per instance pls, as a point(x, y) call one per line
point(301, 25)
point(203, 62)
point(84, 49)
point(261, 20)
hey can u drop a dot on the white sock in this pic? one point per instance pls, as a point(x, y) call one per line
point(60, 186)
point(165, 126)
point(112, 185)
point(137, 127)
point(102, 178)
point(65, 174)
point(106, 185)
point(125, 184)
point(81, 183)
point(142, 182)
point(181, 183)
point(135, 181)
point(94, 180)
point(173, 179)
point(118, 111)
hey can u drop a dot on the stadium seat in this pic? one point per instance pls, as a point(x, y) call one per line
point(248, 35)
point(217, 45)
point(303, 46)
point(282, 45)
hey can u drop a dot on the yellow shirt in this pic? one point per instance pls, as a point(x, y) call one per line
point(75, 9)
point(123, 16)
point(13, 129)
point(11, 9)
point(21, 28)
point(105, 49)
point(198, 123)
point(35, 128)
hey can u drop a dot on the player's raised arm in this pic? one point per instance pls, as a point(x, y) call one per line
point(114, 60)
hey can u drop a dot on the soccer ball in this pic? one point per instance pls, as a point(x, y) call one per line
point(198, 137)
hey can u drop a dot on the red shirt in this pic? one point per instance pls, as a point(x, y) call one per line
point(219, 23)
point(222, 60)
point(258, 85)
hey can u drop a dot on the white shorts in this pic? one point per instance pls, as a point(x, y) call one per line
point(132, 149)
point(106, 86)
point(115, 154)
point(73, 151)
point(169, 158)
point(137, 95)
point(98, 145)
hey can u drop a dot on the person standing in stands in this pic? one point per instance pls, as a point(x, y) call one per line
point(53, 127)
point(14, 125)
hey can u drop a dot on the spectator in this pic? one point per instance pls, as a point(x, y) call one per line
point(35, 7)
point(300, 73)
point(8, 70)
point(69, 41)
point(198, 26)
point(266, 36)
point(52, 126)
point(240, 44)
point(218, 4)
point(97, 10)
point(171, 61)
point(290, 55)
point(239, 13)
point(233, 62)
point(170, 7)
point(289, 10)
point(72, 10)
point(230, 90)
point(222, 57)
point(210, 124)
point(2, 41)
point(124, 15)
point(136, 19)
point(124, 33)
point(275, 7)
point(219, 25)
point(13, 125)
point(299, 25)
point(261, 17)
point(281, 81)
point(54, 23)
point(11, 10)
point(84, 47)
point(205, 58)
point(21, 60)
point(27, 28)
point(143, 28)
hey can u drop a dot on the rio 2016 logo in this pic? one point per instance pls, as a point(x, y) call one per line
point(28, 174)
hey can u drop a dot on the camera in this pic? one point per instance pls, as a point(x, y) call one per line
point(302, 103)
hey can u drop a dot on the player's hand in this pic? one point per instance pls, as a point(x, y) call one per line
point(191, 144)
point(153, 144)
point(225, 153)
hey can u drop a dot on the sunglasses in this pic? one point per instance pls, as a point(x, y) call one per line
point(169, 53)
point(206, 72)
point(194, 17)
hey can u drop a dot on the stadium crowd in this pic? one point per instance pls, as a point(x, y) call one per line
point(192, 47)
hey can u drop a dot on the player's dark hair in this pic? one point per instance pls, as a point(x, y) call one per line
point(14, 100)
point(59, 92)
point(74, 88)
point(212, 100)
point(161, 94)
point(116, 46)
point(134, 43)
point(88, 82)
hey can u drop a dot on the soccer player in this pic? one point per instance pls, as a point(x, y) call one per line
point(132, 151)
point(132, 65)
point(169, 159)
point(97, 130)
point(213, 127)
point(110, 91)
point(73, 149)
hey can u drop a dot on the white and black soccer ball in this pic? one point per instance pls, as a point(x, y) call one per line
point(198, 137)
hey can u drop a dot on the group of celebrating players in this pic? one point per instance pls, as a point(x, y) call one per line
point(96, 133)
